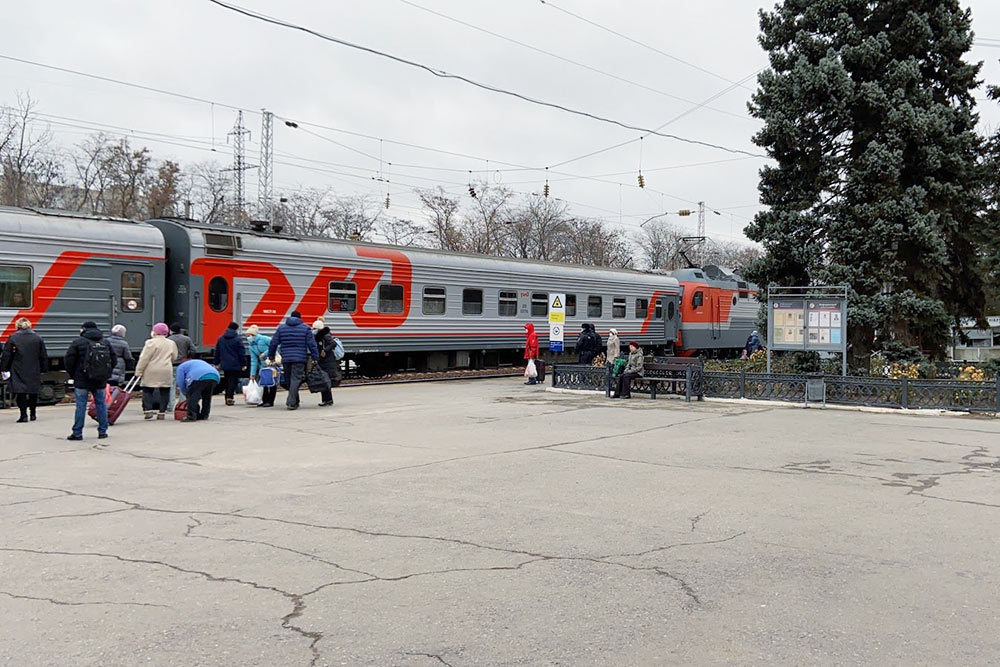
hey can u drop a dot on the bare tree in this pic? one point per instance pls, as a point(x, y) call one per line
point(536, 228)
point(205, 185)
point(352, 217)
point(302, 212)
point(398, 231)
point(90, 160)
point(162, 197)
point(23, 162)
point(128, 179)
point(484, 223)
point(594, 243)
point(443, 213)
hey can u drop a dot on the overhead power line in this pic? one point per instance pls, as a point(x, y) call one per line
point(458, 77)
point(571, 61)
point(638, 43)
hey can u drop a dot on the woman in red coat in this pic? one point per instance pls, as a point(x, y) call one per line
point(530, 347)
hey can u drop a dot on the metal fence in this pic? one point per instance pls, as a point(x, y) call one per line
point(904, 393)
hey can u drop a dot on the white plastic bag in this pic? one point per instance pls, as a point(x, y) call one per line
point(253, 393)
point(530, 371)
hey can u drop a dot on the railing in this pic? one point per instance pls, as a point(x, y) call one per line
point(904, 393)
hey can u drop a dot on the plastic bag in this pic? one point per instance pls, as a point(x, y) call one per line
point(530, 371)
point(253, 393)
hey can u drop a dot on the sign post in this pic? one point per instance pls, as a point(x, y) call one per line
point(807, 319)
point(557, 321)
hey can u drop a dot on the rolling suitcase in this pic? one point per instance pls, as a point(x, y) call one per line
point(540, 367)
point(116, 399)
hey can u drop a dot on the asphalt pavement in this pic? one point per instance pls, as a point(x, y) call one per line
point(490, 523)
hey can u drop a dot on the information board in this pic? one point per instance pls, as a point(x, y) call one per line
point(807, 318)
point(557, 321)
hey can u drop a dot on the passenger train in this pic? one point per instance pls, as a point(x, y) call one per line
point(393, 307)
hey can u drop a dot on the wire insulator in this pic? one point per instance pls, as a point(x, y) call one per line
point(387, 200)
point(472, 192)
point(545, 190)
point(642, 180)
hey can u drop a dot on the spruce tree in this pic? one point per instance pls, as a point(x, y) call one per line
point(877, 179)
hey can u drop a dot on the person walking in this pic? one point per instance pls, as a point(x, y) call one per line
point(228, 357)
point(258, 344)
point(530, 348)
point(328, 361)
point(25, 358)
point(752, 345)
point(90, 362)
point(196, 380)
point(614, 347)
point(633, 370)
point(155, 368)
point(185, 346)
point(297, 344)
point(123, 354)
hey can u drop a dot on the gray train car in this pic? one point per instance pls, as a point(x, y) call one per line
point(719, 310)
point(60, 269)
point(395, 306)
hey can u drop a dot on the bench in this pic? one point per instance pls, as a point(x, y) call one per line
point(674, 371)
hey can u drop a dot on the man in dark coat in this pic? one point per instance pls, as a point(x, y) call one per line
point(328, 361)
point(588, 343)
point(297, 344)
point(25, 358)
point(229, 357)
point(85, 384)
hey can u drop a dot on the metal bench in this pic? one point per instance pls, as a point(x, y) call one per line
point(674, 371)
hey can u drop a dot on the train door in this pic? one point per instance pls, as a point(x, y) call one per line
point(671, 317)
point(716, 313)
point(132, 301)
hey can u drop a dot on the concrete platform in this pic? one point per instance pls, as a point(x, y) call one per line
point(489, 523)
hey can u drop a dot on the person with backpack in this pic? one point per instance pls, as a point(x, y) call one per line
point(330, 353)
point(155, 369)
point(258, 344)
point(25, 358)
point(90, 361)
point(297, 344)
point(122, 351)
point(228, 357)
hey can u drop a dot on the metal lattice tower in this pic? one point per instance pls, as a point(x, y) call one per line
point(265, 182)
point(701, 233)
point(239, 134)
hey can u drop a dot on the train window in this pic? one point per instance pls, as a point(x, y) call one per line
point(539, 304)
point(671, 310)
point(744, 293)
point(390, 298)
point(218, 294)
point(223, 245)
point(15, 286)
point(595, 306)
point(343, 298)
point(641, 308)
point(618, 307)
point(472, 302)
point(658, 315)
point(698, 299)
point(132, 291)
point(734, 299)
point(507, 304)
point(435, 300)
point(570, 305)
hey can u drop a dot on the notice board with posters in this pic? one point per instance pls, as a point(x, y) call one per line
point(807, 319)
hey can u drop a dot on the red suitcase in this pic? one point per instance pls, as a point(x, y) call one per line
point(116, 402)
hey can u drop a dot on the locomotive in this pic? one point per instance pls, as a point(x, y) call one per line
point(394, 307)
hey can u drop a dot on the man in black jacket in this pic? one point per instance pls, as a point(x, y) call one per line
point(87, 362)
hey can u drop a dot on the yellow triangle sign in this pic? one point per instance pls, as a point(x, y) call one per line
point(556, 303)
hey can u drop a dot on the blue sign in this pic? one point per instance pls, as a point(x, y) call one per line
point(555, 346)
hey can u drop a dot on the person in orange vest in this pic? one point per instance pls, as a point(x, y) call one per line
point(530, 348)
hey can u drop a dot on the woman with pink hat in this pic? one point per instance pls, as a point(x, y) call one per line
point(156, 369)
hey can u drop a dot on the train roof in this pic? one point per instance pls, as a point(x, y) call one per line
point(55, 226)
point(468, 260)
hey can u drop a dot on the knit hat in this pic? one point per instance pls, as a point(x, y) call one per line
point(252, 330)
point(88, 325)
point(233, 326)
point(160, 329)
point(176, 327)
point(635, 343)
point(318, 324)
point(118, 330)
point(614, 331)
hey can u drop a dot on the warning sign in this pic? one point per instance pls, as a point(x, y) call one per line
point(557, 318)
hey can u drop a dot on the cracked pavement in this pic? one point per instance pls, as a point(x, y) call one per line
point(488, 523)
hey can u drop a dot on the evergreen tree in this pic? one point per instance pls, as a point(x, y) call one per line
point(878, 182)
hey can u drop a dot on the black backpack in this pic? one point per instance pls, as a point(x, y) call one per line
point(99, 363)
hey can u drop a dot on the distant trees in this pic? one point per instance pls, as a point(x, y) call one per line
point(660, 244)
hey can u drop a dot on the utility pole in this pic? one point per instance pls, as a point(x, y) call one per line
point(266, 173)
point(701, 233)
point(239, 134)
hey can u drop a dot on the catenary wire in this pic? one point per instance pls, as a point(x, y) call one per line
point(484, 86)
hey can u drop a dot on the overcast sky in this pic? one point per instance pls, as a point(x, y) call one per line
point(199, 49)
